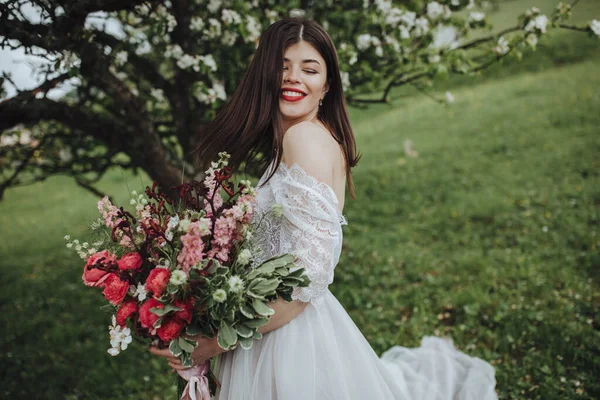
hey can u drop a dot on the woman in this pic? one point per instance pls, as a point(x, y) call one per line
point(290, 107)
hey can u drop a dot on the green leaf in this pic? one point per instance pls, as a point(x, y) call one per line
point(243, 331)
point(257, 335)
point(246, 343)
point(161, 312)
point(265, 287)
point(227, 336)
point(187, 345)
point(193, 329)
point(256, 323)
point(261, 308)
point(174, 348)
point(172, 289)
point(285, 296)
point(186, 360)
point(270, 265)
point(255, 295)
point(247, 311)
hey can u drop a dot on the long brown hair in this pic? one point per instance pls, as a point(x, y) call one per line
point(249, 126)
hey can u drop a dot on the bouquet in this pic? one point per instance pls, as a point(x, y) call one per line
point(183, 267)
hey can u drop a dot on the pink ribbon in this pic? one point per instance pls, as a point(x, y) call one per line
point(197, 382)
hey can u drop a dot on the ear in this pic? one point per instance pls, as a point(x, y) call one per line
point(326, 88)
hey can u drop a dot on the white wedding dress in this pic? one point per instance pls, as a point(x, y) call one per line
point(321, 354)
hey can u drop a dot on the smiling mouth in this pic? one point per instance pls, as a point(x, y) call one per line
point(292, 96)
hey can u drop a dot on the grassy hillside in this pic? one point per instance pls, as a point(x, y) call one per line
point(489, 236)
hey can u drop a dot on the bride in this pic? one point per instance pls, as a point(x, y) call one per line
point(290, 107)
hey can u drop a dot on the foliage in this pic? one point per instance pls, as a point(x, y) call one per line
point(148, 75)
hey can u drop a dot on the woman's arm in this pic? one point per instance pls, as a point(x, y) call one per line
point(284, 313)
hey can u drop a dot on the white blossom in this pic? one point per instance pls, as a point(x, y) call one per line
point(384, 6)
point(502, 46)
point(236, 284)
point(409, 18)
point(476, 16)
point(214, 5)
point(139, 291)
point(173, 222)
point(214, 29)
point(379, 51)
point(421, 26)
point(121, 58)
point(404, 32)
point(186, 61)
point(220, 91)
point(449, 98)
point(538, 23)
point(244, 257)
point(532, 40)
point(297, 13)
point(173, 51)
point(394, 17)
point(434, 10)
point(229, 38)
point(277, 209)
point(219, 295)
point(65, 154)
point(595, 27)
point(253, 27)
point(532, 11)
point(271, 15)
point(390, 40)
point(434, 58)
point(363, 41)
point(119, 337)
point(178, 277)
point(171, 22)
point(345, 76)
point(196, 24)
point(209, 61)
point(157, 94)
point(445, 37)
point(455, 3)
point(230, 17)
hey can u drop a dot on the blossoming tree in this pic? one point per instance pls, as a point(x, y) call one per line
point(146, 76)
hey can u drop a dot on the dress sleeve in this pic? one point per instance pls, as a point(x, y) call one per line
point(311, 229)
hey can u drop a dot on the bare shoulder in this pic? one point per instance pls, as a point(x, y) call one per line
point(312, 147)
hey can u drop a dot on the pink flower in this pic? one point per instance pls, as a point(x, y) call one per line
point(115, 289)
point(130, 261)
point(94, 276)
point(147, 317)
point(170, 328)
point(193, 247)
point(125, 311)
point(220, 253)
point(157, 281)
point(109, 212)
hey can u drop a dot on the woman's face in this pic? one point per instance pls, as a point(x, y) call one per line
point(304, 82)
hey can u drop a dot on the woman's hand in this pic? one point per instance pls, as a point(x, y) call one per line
point(206, 349)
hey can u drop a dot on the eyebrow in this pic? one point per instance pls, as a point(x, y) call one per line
point(310, 60)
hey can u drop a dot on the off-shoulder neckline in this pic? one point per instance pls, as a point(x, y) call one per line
point(317, 182)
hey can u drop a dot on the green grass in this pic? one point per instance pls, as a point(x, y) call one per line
point(490, 236)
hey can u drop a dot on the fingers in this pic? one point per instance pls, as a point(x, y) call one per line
point(160, 352)
point(177, 367)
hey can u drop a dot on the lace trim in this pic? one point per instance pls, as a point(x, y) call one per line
point(298, 173)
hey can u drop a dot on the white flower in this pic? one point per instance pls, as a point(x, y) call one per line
point(69, 245)
point(214, 5)
point(363, 41)
point(196, 24)
point(345, 80)
point(186, 61)
point(209, 61)
point(119, 337)
point(353, 58)
point(445, 37)
point(121, 58)
point(171, 22)
point(244, 257)
point(253, 27)
point(219, 295)
point(532, 40)
point(502, 46)
point(236, 284)
point(392, 42)
point(539, 23)
point(271, 15)
point(384, 6)
point(173, 51)
point(455, 3)
point(297, 13)
point(421, 26)
point(404, 33)
point(378, 51)
point(544, 229)
point(595, 27)
point(394, 17)
point(184, 224)
point(214, 29)
point(449, 98)
point(409, 18)
point(173, 222)
point(476, 16)
point(220, 91)
point(434, 59)
point(157, 94)
point(532, 11)
point(230, 17)
point(68, 237)
point(277, 209)
point(178, 277)
point(139, 291)
point(434, 10)
point(229, 38)
point(447, 12)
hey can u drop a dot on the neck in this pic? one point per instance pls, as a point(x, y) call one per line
point(288, 123)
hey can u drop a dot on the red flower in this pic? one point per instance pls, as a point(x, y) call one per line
point(115, 289)
point(157, 281)
point(127, 308)
point(186, 313)
point(170, 329)
point(130, 261)
point(95, 276)
point(147, 317)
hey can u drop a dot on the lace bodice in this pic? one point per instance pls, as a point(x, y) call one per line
point(310, 226)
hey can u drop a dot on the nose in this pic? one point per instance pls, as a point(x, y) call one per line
point(291, 76)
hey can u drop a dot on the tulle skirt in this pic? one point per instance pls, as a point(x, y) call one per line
point(322, 355)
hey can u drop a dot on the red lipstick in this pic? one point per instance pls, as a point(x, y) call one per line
point(292, 98)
